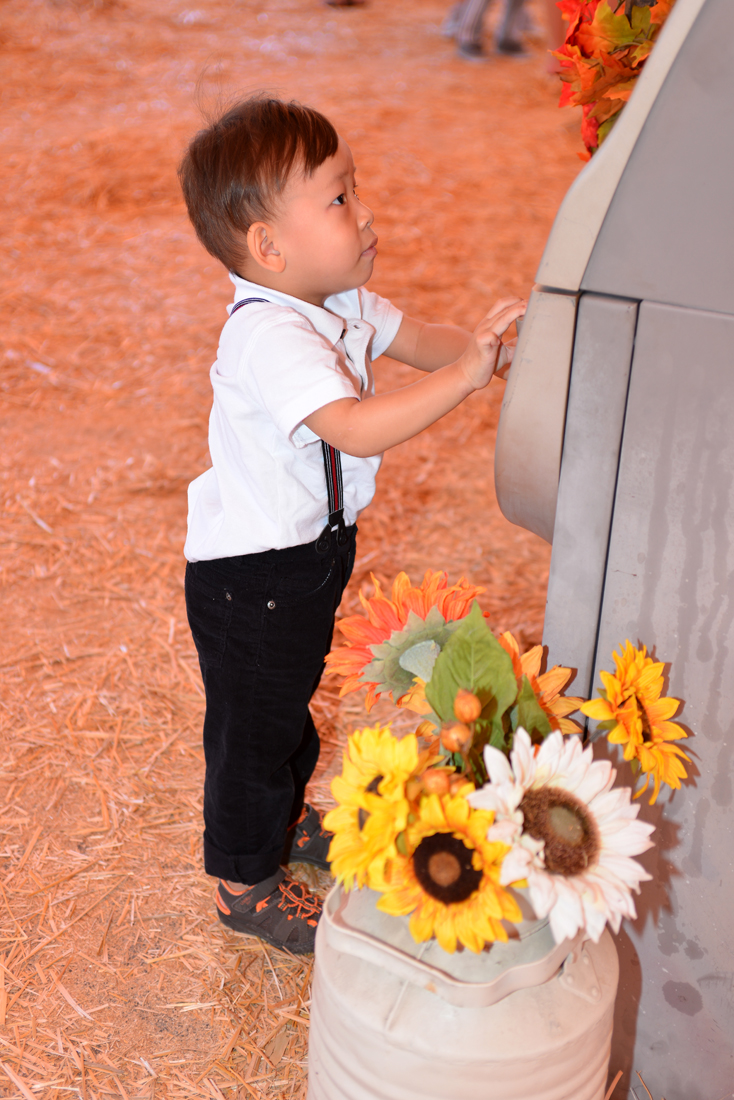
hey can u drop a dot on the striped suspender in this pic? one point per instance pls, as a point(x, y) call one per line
point(334, 487)
point(334, 483)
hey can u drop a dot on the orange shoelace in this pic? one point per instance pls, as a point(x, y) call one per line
point(295, 896)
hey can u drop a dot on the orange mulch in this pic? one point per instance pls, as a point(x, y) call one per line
point(116, 979)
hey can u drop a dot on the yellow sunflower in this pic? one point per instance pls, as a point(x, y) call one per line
point(547, 687)
point(372, 808)
point(449, 881)
point(631, 707)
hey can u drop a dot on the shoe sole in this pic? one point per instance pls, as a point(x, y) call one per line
point(238, 924)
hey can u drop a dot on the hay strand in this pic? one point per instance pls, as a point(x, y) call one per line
point(116, 977)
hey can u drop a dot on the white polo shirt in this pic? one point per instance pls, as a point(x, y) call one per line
point(277, 363)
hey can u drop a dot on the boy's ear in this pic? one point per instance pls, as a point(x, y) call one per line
point(263, 249)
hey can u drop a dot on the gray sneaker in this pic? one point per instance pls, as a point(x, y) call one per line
point(279, 910)
point(308, 841)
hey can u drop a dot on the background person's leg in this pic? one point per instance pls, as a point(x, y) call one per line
point(469, 28)
point(450, 24)
point(508, 37)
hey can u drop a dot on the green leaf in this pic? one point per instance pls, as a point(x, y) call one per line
point(477, 766)
point(528, 712)
point(472, 658)
point(420, 659)
point(497, 737)
point(640, 19)
point(386, 669)
point(606, 127)
point(614, 27)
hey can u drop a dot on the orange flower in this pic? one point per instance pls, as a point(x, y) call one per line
point(547, 687)
point(387, 615)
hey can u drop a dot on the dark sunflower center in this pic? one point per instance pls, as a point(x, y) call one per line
point(372, 788)
point(443, 867)
point(645, 721)
point(564, 823)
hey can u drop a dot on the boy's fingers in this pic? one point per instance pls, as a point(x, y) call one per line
point(508, 313)
point(488, 339)
point(505, 304)
point(500, 322)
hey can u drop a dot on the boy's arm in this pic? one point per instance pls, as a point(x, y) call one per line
point(428, 347)
point(364, 428)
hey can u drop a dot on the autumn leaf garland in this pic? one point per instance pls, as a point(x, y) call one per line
point(606, 47)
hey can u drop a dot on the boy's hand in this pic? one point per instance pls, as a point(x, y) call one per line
point(486, 354)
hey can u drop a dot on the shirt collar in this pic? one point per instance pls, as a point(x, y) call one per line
point(325, 322)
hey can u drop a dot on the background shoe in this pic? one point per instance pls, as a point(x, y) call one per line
point(511, 47)
point(278, 910)
point(471, 51)
point(308, 841)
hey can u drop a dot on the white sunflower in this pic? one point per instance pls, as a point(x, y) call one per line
point(572, 835)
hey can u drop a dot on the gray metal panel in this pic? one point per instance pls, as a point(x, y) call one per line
point(669, 233)
point(527, 457)
point(670, 582)
point(605, 333)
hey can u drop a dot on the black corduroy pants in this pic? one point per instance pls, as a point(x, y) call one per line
point(262, 625)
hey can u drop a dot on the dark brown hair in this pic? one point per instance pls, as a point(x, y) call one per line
point(234, 170)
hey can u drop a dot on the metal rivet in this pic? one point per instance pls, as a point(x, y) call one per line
point(271, 604)
point(228, 595)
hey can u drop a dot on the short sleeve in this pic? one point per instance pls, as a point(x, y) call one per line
point(292, 371)
point(384, 317)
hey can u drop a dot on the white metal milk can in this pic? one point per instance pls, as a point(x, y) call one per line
point(395, 1020)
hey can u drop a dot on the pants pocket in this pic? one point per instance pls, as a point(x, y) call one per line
point(209, 608)
point(303, 582)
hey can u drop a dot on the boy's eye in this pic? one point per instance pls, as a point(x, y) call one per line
point(340, 199)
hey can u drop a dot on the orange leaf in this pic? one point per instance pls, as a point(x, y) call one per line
point(603, 111)
point(607, 31)
point(660, 12)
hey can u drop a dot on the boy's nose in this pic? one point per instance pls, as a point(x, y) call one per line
point(366, 216)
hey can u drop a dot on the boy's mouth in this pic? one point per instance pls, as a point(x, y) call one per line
point(371, 251)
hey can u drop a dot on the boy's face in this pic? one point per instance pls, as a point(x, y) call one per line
point(323, 232)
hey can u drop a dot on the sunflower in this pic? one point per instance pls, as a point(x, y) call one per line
point(412, 619)
point(631, 709)
point(373, 809)
point(572, 835)
point(547, 687)
point(449, 881)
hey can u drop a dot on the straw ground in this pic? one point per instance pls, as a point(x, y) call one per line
point(115, 977)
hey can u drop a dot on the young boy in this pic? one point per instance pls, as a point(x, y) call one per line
point(296, 436)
